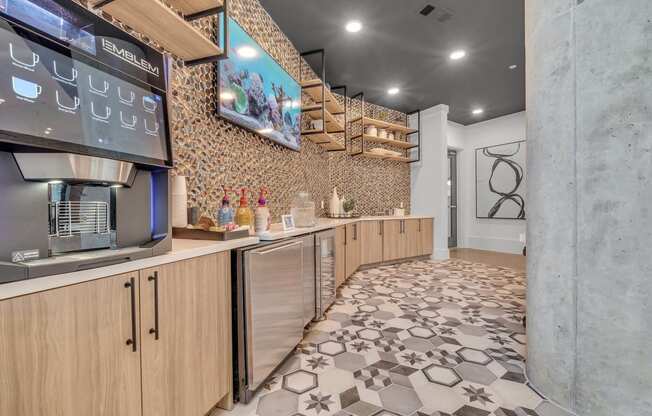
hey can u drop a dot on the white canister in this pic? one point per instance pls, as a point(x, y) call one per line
point(179, 202)
point(371, 131)
point(382, 133)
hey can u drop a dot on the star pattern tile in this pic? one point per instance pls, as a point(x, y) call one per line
point(422, 338)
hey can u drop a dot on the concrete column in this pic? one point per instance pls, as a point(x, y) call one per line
point(589, 110)
point(429, 177)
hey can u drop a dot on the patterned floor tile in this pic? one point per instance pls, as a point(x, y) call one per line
point(422, 338)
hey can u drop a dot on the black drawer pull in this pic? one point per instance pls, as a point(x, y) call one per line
point(131, 284)
point(155, 330)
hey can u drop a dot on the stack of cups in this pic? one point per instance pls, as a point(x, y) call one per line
point(179, 202)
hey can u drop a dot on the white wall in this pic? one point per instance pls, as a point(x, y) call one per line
point(429, 176)
point(484, 234)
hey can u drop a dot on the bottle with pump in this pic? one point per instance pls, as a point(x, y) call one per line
point(243, 215)
point(262, 217)
point(225, 214)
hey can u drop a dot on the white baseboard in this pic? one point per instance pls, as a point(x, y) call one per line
point(494, 244)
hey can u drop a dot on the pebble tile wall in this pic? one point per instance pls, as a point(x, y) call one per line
point(212, 152)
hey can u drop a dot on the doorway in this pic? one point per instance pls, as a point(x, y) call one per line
point(452, 198)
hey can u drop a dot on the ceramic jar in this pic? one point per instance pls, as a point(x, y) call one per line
point(371, 131)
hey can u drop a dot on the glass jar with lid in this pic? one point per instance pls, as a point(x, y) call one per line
point(303, 210)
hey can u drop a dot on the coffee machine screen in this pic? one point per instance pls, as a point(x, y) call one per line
point(55, 98)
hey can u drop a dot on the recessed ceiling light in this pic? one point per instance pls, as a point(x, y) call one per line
point(117, 185)
point(477, 111)
point(457, 55)
point(55, 182)
point(393, 91)
point(513, 66)
point(247, 52)
point(354, 26)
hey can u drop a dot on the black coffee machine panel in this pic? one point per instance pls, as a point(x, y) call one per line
point(84, 142)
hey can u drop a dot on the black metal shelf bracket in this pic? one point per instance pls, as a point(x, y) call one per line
point(222, 10)
point(418, 133)
point(360, 97)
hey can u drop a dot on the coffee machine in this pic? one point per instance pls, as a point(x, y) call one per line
point(85, 147)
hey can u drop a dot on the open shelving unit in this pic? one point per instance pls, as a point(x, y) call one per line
point(174, 32)
point(405, 146)
point(326, 107)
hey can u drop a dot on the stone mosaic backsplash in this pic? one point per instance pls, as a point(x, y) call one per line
point(212, 152)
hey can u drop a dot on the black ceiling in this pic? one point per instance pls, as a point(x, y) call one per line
point(400, 47)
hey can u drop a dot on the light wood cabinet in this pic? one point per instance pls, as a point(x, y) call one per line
point(340, 255)
point(394, 244)
point(412, 235)
point(353, 248)
point(150, 343)
point(185, 336)
point(426, 237)
point(65, 351)
point(371, 242)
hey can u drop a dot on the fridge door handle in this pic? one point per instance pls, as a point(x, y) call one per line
point(271, 250)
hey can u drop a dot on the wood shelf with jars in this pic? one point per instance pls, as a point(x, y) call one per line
point(388, 134)
point(325, 110)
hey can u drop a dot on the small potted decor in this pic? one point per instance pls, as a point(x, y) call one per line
point(349, 205)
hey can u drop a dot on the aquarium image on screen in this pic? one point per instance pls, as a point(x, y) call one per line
point(257, 93)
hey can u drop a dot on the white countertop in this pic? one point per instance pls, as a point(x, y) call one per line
point(277, 232)
point(181, 250)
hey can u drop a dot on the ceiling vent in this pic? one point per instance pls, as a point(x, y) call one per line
point(427, 10)
point(441, 14)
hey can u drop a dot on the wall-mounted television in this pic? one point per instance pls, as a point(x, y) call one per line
point(257, 93)
point(71, 82)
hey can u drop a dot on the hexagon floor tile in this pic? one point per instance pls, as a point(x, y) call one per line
point(421, 338)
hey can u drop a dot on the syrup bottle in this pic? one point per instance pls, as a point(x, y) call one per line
point(262, 217)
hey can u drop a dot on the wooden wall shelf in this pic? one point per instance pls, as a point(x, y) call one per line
point(333, 125)
point(325, 140)
point(383, 157)
point(314, 89)
point(190, 7)
point(163, 25)
point(363, 138)
point(390, 142)
point(366, 121)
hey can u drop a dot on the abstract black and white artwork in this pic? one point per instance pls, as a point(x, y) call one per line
point(500, 181)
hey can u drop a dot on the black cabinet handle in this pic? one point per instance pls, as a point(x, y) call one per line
point(420, 225)
point(381, 227)
point(131, 284)
point(355, 232)
point(346, 234)
point(155, 330)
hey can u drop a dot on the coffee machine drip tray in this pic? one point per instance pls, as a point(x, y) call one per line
point(79, 225)
point(74, 262)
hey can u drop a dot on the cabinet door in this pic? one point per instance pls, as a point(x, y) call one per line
point(65, 351)
point(352, 248)
point(371, 242)
point(426, 237)
point(186, 333)
point(393, 240)
point(412, 235)
point(340, 255)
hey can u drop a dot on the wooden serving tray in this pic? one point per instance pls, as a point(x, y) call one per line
point(197, 234)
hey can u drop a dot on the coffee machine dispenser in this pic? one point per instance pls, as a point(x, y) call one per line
point(85, 147)
point(109, 212)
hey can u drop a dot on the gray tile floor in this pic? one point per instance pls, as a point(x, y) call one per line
point(417, 339)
